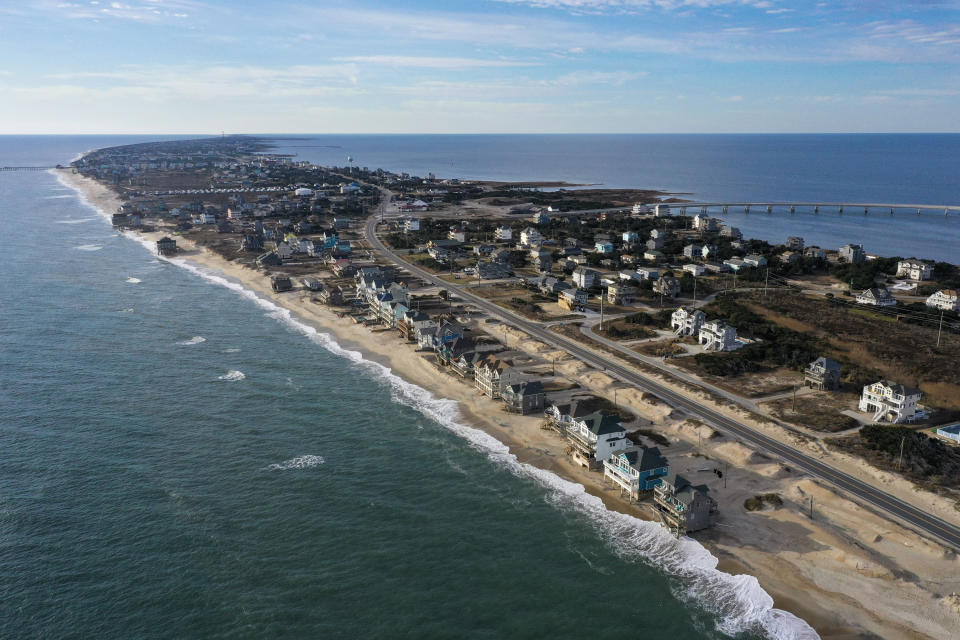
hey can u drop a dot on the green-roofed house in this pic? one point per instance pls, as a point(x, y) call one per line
point(595, 437)
point(636, 469)
point(684, 507)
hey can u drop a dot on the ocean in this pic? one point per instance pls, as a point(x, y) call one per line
point(182, 459)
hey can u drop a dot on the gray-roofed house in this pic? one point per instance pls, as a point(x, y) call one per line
point(524, 397)
point(595, 437)
point(636, 469)
point(823, 374)
point(684, 507)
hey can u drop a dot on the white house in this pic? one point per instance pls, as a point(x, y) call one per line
point(596, 436)
point(457, 234)
point(687, 322)
point(877, 296)
point(503, 234)
point(530, 237)
point(945, 299)
point(694, 268)
point(630, 236)
point(585, 278)
point(661, 210)
point(890, 402)
point(718, 336)
point(647, 273)
point(755, 260)
point(411, 224)
point(914, 269)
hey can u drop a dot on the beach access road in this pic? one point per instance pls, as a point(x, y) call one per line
point(907, 513)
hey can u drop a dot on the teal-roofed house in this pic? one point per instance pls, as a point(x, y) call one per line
point(636, 469)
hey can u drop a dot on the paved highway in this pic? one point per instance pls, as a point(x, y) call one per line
point(919, 519)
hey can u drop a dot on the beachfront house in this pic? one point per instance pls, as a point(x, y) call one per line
point(281, 283)
point(661, 210)
point(595, 437)
point(876, 296)
point(945, 299)
point(823, 374)
point(492, 374)
point(890, 401)
point(716, 335)
point(794, 243)
point(914, 270)
point(687, 322)
point(524, 397)
point(636, 470)
point(166, 246)
point(684, 507)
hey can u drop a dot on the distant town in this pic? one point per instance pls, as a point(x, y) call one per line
point(655, 318)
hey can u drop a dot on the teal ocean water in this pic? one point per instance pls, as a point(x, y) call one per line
point(180, 459)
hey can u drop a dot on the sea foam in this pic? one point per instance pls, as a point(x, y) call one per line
point(192, 341)
point(232, 376)
point(739, 602)
point(88, 247)
point(132, 280)
point(300, 462)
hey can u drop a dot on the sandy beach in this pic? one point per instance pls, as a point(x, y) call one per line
point(847, 571)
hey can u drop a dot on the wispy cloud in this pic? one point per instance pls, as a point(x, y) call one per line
point(629, 6)
point(434, 62)
point(148, 11)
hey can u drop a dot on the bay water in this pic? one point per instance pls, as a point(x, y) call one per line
point(181, 459)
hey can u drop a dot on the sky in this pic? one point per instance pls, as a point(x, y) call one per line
point(487, 66)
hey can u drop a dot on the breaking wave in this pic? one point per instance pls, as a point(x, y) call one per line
point(232, 376)
point(300, 462)
point(132, 280)
point(193, 340)
point(78, 220)
point(739, 602)
point(89, 247)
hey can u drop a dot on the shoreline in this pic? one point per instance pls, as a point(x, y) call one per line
point(523, 439)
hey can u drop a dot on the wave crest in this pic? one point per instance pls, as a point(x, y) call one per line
point(300, 462)
point(232, 376)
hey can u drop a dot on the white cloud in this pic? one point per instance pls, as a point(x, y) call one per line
point(434, 62)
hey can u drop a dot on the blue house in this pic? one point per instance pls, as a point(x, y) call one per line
point(636, 469)
point(603, 247)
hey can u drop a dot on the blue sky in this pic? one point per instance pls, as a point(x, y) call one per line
point(196, 66)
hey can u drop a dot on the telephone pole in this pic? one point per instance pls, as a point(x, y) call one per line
point(940, 328)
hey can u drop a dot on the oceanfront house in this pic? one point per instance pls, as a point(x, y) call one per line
point(890, 402)
point(794, 243)
point(595, 437)
point(823, 374)
point(639, 210)
point(491, 374)
point(269, 259)
point(283, 250)
point(945, 299)
point(754, 260)
point(407, 324)
point(343, 268)
point(731, 232)
point(281, 283)
point(692, 251)
point(687, 322)
point(585, 278)
point(716, 335)
point(450, 352)
point(667, 286)
point(683, 507)
point(524, 397)
point(621, 293)
point(695, 269)
point(312, 284)
point(503, 234)
point(572, 299)
point(876, 296)
point(330, 294)
point(815, 253)
point(661, 210)
point(636, 470)
point(702, 222)
point(914, 270)
point(530, 237)
point(166, 246)
point(445, 333)
point(852, 253)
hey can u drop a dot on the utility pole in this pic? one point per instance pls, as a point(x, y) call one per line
point(694, 288)
point(811, 507)
point(795, 399)
point(900, 461)
point(765, 282)
point(940, 328)
point(726, 472)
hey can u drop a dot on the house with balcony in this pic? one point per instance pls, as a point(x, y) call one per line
point(572, 299)
point(890, 402)
point(754, 260)
point(914, 270)
point(823, 374)
point(852, 253)
point(683, 506)
point(603, 246)
point(716, 335)
point(585, 278)
point(794, 243)
point(877, 297)
point(491, 374)
point(595, 437)
point(692, 251)
point(524, 397)
point(667, 286)
point(630, 237)
point(636, 470)
point(687, 321)
point(695, 269)
point(503, 234)
point(531, 237)
point(647, 273)
point(945, 299)
point(621, 292)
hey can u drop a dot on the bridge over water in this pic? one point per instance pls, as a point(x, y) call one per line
point(28, 168)
point(814, 207)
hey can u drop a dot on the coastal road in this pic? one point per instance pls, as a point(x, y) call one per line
point(917, 518)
